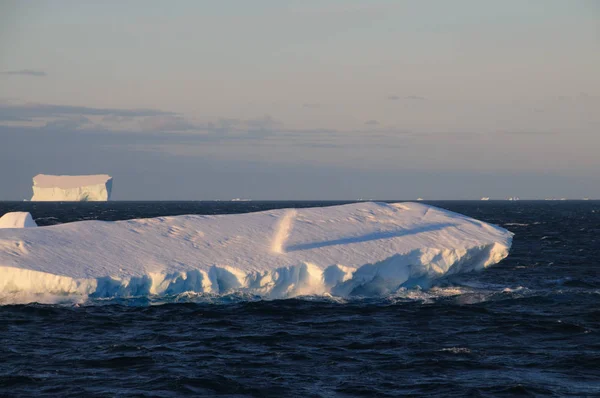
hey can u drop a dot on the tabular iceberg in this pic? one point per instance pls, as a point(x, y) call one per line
point(357, 249)
point(72, 188)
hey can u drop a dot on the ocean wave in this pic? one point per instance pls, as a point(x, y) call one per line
point(452, 295)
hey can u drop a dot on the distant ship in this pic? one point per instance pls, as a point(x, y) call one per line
point(485, 198)
point(420, 199)
point(241, 200)
point(514, 198)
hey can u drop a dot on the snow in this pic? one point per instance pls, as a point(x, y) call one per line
point(17, 219)
point(72, 188)
point(357, 249)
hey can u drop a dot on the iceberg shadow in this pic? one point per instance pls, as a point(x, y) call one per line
point(368, 237)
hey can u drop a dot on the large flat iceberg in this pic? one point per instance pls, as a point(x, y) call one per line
point(80, 188)
point(357, 249)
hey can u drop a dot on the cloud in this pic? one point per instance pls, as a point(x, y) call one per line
point(166, 123)
point(528, 133)
point(265, 123)
point(582, 96)
point(415, 97)
point(69, 124)
point(311, 106)
point(32, 111)
point(223, 124)
point(343, 9)
point(47, 110)
point(25, 72)
point(77, 118)
point(408, 97)
point(116, 119)
point(13, 118)
point(371, 122)
point(240, 127)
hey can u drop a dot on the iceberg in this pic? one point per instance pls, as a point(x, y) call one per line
point(361, 249)
point(72, 188)
point(17, 219)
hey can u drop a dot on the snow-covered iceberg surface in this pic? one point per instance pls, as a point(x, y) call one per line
point(72, 188)
point(357, 249)
point(17, 219)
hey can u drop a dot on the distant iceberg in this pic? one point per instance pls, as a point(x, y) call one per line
point(79, 188)
point(360, 249)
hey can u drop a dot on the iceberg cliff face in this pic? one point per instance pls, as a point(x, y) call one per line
point(357, 249)
point(96, 188)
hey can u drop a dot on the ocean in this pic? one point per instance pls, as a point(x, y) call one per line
point(529, 326)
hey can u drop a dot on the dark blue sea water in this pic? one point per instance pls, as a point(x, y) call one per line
point(529, 326)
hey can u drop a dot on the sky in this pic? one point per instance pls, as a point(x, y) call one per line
point(303, 99)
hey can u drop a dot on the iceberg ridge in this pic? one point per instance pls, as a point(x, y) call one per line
point(17, 219)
